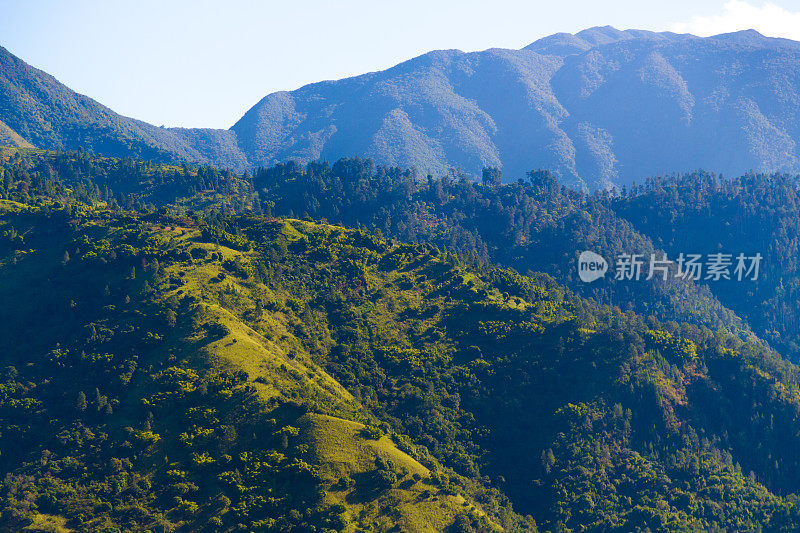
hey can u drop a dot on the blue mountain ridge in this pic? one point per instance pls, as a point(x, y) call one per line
point(600, 108)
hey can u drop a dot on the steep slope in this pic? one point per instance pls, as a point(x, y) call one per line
point(171, 369)
point(755, 213)
point(602, 107)
point(147, 400)
point(49, 115)
point(9, 137)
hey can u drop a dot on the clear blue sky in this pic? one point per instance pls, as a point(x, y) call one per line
point(200, 63)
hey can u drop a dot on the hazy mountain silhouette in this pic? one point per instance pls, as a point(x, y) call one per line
point(38, 108)
point(601, 107)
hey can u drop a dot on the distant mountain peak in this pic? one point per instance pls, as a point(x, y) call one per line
point(599, 35)
point(750, 34)
point(596, 120)
point(563, 44)
point(754, 38)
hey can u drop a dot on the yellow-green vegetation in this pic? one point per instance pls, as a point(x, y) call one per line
point(414, 503)
point(9, 137)
point(176, 369)
point(203, 376)
point(47, 523)
point(274, 359)
point(343, 450)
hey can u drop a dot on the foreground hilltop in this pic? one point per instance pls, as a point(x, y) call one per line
point(599, 108)
point(180, 382)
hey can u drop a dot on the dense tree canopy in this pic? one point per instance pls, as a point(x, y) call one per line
point(181, 352)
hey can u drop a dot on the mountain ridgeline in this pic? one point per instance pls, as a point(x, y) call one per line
point(600, 108)
point(178, 358)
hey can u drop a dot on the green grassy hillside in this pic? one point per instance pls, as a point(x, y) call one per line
point(186, 368)
point(154, 393)
point(9, 137)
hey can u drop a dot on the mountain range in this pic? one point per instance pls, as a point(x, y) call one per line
point(302, 346)
point(599, 108)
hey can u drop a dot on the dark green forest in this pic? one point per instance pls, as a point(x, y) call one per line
point(356, 348)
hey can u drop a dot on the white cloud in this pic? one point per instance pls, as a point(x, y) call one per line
point(768, 19)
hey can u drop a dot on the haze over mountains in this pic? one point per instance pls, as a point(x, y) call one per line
point(599, 108)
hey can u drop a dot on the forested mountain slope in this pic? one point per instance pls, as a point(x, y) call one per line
point(199, 366)
point(166, 388)
point(529, 225)
point(537, 225)
point(41, 111)
point(599, 108)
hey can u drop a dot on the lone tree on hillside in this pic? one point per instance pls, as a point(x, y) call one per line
point(80, 403)
point(492, 176)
